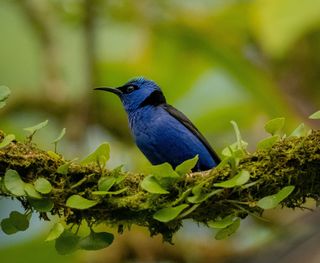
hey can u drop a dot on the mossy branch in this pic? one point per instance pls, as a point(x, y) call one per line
point(291, 161)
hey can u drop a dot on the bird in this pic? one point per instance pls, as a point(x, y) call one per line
point(162, 133)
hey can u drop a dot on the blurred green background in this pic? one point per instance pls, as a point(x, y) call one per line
point(216, 60)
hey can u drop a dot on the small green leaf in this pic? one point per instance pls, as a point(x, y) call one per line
point(301, 130)
point(33, 129)
point(105, 183)
point(272, 201)
point(228, 231)
point(164, 170)
point(96, 241)
point(315, 116)
point(241, 178)
point(43, 186)
point(222, 223)
point(151, 185)
point(202, 196)
point(41, 205)
point(64, 168)
point(7, 227)
point(67, 243)
point(13, 183)
point(54, 155)
point(31, 191)
point(7, 140)
point(239, 142)
point(100, 156)
point(55, 232)
point(187, 165)
point(19, 221)
point(79, 202)
point(233, 150)
point(267, 143)
point(62, 133)
point(275, 126)
point(169, 213)
point(110, 192)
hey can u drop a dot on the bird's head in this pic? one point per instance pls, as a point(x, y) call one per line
point(137, 93)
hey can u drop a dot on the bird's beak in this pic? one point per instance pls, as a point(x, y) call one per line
point(112, 90)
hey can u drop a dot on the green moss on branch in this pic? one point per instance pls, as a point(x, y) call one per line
point(292, 161)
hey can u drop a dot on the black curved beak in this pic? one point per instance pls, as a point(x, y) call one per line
point(112, 90)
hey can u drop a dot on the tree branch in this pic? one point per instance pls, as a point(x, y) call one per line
point(292, 161)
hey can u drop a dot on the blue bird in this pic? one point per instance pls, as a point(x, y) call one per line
point(161, 132)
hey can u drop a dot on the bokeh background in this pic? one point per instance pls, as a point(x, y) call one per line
point(216, 60)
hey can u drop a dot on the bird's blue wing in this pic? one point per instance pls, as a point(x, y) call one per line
point(183, 119)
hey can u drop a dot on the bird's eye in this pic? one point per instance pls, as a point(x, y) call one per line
point(130, 89)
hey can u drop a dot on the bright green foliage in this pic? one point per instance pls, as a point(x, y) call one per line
point(222, 223)
point(96, 241)
point(151, 184)
point(43, 186)
point(13, 183)
point(55, 232)
point(241, 178)
point(100, 156)
point(67, 243)
point(200, 197)
point(275, 126)
point(33, 129)
point(4, 94)
point(7, 140)
point(31, 191)
point(300, 131)
point(315, 116)
point(267, 143)
point(63, 169)
point(79, 202)
point(41, 205)
point(187, 165)
point(105, 183)
point(164, 170)
point(169, 213)
point(229, 230)
point(58, 139)
point(272, 201)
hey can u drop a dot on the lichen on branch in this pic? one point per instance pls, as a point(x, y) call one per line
point(118, 198)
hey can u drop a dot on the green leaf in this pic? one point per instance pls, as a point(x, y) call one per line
point(100, 156)
point(151, 185)
point(67, 243)
point(55, 232)
point(43, 186)
point(267, 143)
point(315, 116)
point(62, 133)
point(241, 178)
point(233, 150)
point(222, 223)
point(169, 213)
point(7, 140)
point(239, 142)
point(31, 191)
point(7, 227)
point(228, 231)
point(201, 197)
point(33, 129)
point(79, 202)
point(54, 155)
point(187, 165)
point(64, 168)
point(272, 201)
point(164, 170)
point(301, 130)
point(41, 205)
point(19, 221)
point(105, 183)
point(13, 183)
point(275, 126)
point(96, 241)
